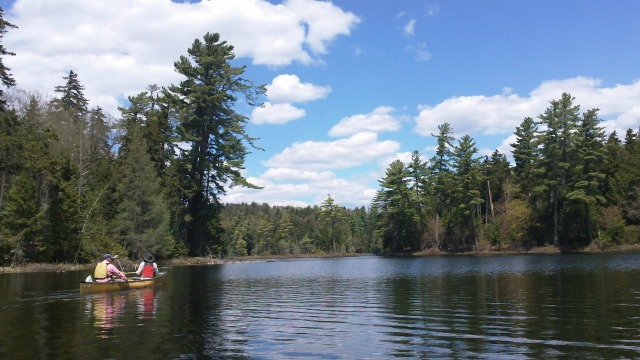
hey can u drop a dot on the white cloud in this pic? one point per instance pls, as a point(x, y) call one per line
point(347, 192)
point(118, 47)
point(377, 121)
point(409, 28)
point(276, 114)
point(420, 52)
point(356, 150)
point(287, 88)
point(433, 9)
point(501, 114)
point(294, 174)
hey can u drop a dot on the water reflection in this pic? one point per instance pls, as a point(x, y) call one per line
point(104, 310)
point(524, 307)
point(146, 301)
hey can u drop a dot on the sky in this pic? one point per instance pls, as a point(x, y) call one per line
point(351, 84)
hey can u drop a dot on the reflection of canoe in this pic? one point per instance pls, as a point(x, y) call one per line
point(132, 283)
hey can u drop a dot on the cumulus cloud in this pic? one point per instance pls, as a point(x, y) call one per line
point(276, 114)
point(344, 153)
point(294, 174)
point(378, 120)
point(501, 114)
point(119, 47)
point(347, 192)
point(287, 88)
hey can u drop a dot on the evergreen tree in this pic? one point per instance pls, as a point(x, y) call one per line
point(264, 245)
point(284, 234)
point(142, 220)
point(497, 175)
point(588, 176)
point(466, 184)
point(440, 177)
point(10, 146)
point(98, 136)
point(628, 178)
point(419, 172)
point(525, 155)
point(204, 102)
point(611, 166)
point(395, 212)
point(69, 119)
point(71, 97)
point(332, 214)
point(5, 76)
point(557, 144)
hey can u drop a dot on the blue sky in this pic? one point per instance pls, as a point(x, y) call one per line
point(352, 85)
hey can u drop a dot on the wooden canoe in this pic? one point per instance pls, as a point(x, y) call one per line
point(132, 283)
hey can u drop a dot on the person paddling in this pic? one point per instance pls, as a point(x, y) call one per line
point(147, 268)
point(105, 271)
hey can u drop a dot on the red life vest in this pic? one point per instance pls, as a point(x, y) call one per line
point(147, 270)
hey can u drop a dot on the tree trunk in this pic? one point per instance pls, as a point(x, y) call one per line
point(490, 200)
point(554, 201)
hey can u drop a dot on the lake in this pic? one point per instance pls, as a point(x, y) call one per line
point(583, 306)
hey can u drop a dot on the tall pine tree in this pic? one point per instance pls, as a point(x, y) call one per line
point(205, 104)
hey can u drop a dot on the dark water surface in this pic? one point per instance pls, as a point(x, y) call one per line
point(583, 306)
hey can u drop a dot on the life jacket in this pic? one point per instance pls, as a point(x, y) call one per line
point(147, 270)
point(100, 271)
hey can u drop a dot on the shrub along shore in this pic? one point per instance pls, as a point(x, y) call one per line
point(130, 265)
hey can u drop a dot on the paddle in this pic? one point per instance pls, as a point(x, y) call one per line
point(121, 269)
point(116, 257)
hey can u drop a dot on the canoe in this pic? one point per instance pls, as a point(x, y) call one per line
point(132, 283)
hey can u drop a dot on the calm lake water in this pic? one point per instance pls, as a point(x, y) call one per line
point(583, 306)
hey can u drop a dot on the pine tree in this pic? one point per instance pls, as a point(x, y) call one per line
point(588, 176)
point(525, 155)
point(557, 144)
point(5, 76)
point(332, 214)
point(396, 215)
point(612, 163)
point(142, 221)
point(496, 178)
point(71, 97)
point(418, 170)
point(440, 177)
point(205, 102)
point(628, 178)
point(466, 184)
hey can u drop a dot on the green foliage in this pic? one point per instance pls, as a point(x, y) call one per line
point(612, 226)
point(288, 230)
point(5, 76)
point(70, 190)
point(142, 219)
point(396, 213)
point(466, 194)
point(334, 216)
point(204, 103)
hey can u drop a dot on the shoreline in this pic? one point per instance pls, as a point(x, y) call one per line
point(128, 264)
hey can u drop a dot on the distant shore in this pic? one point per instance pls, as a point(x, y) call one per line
point(129, 265)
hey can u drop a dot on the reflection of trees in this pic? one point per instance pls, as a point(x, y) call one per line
point(198, 316)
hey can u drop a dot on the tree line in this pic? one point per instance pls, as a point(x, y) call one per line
point(76, 182)
point(571, 186)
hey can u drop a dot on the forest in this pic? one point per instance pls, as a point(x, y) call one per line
point(76, 182)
